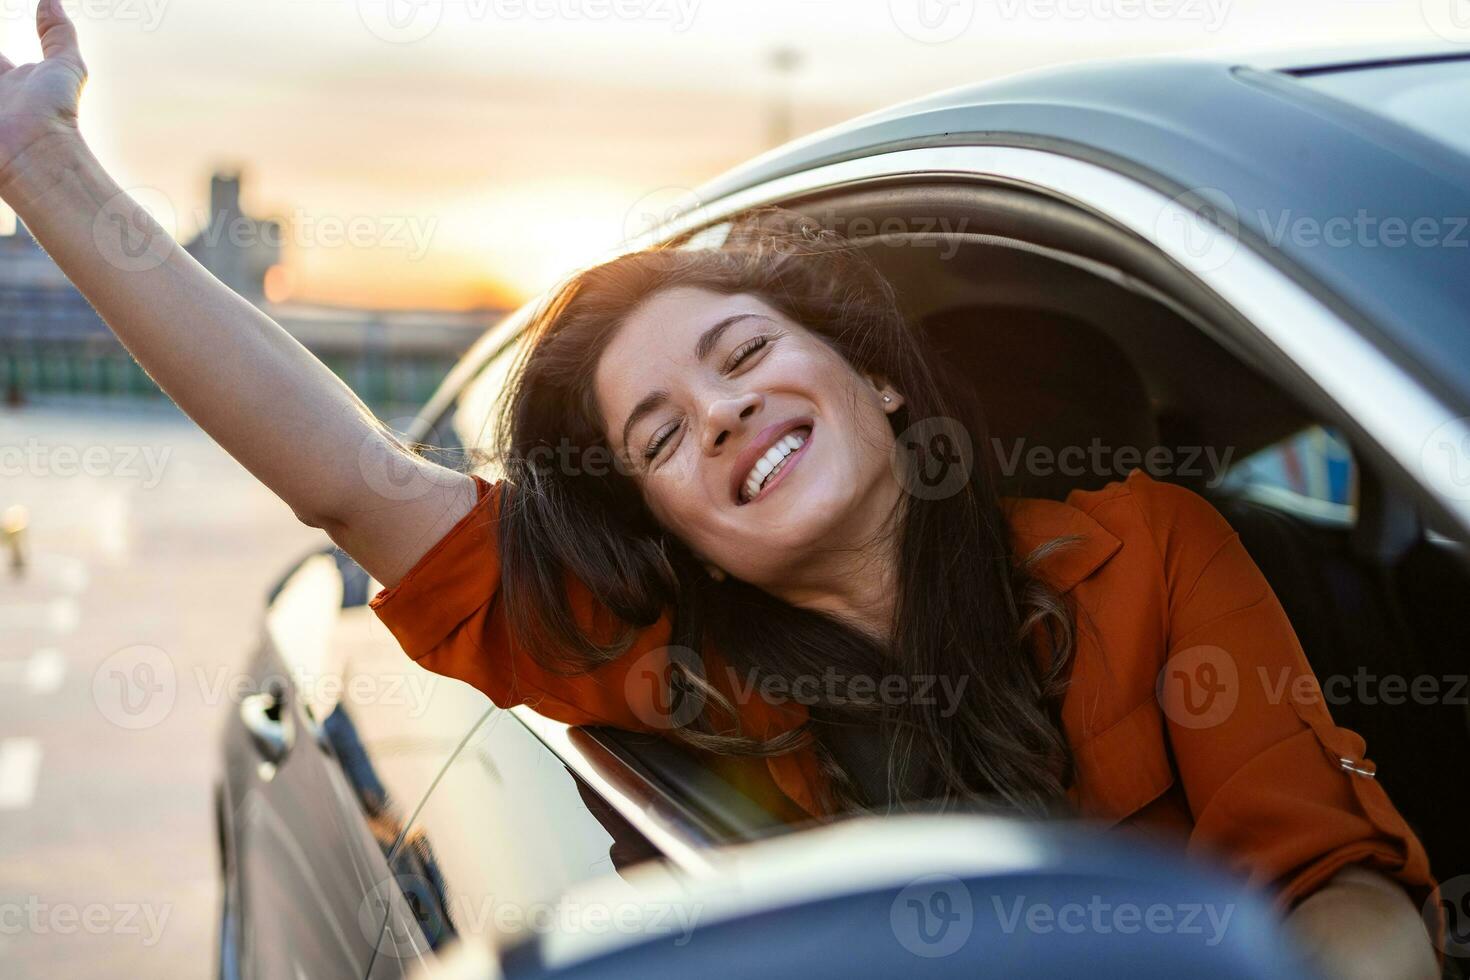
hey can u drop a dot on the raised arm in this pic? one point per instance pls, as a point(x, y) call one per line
point(261, 395)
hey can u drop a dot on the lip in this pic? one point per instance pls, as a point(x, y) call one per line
point(757, 448)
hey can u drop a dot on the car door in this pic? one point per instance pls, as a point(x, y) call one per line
point(525, 812)
point(332, 741)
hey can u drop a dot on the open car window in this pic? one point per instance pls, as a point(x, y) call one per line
point(462, 437)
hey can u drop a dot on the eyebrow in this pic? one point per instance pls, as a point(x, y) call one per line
point(702, 347)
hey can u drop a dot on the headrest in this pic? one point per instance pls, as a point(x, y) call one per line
point(1060, 399)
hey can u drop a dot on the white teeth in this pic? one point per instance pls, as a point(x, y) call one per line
point(771, 462)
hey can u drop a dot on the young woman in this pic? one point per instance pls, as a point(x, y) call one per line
point(703, 479)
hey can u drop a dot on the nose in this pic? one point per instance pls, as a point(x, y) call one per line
point(725, 417)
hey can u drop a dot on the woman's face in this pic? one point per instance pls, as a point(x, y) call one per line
point(753, 441)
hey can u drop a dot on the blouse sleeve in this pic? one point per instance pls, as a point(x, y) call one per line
point(1277, 790)
point(447, 615)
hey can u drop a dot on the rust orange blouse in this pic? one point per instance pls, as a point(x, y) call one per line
point(1183, 707)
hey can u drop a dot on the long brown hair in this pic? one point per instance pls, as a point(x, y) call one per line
point(966, 607)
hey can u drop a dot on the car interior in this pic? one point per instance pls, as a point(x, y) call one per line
point(1069, 330)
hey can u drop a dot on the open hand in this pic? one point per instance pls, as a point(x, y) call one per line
point(38, 101)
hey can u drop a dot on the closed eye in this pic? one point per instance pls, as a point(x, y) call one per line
point(659, 439)
point(737, 357)
point(740, 354)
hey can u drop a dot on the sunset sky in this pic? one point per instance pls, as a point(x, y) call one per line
point(444, 153)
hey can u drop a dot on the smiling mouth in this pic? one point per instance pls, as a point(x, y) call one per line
point(773, 464)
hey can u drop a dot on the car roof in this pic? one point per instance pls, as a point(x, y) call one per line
point(1247, 132)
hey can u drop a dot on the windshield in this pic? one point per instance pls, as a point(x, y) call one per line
point(1429, 96)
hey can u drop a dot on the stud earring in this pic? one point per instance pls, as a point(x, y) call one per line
point(887, 398)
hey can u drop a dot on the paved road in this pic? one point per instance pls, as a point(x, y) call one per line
point(142, 531)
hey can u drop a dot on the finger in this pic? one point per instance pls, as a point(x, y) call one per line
point(5, 64)
point(58, 34)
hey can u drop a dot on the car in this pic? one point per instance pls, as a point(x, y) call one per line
point(1246, 275)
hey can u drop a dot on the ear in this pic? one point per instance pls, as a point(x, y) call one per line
point(889, 397)
point(715, 572)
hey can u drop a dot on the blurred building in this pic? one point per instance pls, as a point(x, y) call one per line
point(53, 344)
point(36, 300)
point(237, 248)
